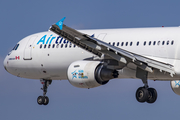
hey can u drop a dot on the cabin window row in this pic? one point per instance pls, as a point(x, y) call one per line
point(145, 43)
point(57, 45)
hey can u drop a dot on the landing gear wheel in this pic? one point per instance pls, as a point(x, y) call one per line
point(40, 100)
point(142, 94)
point(152, 95)
point(46, 100)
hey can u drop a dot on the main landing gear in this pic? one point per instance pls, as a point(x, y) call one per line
point(145, 94)
point(44, 100)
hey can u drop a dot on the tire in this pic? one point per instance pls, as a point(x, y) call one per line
point(40, 100)
point(46, 100)
point(152, 95)
point(142, 94)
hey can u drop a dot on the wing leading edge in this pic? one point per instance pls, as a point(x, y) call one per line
point(100, 48)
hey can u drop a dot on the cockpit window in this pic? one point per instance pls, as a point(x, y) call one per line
point(16, 47)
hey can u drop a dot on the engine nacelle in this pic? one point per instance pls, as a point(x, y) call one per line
point(175, 85)
point(89, 74)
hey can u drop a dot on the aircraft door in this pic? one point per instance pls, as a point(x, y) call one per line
point(28, 48)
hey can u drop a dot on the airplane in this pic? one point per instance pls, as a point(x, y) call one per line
point(91, 58)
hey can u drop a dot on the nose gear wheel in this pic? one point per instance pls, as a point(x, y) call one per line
point(44, 100)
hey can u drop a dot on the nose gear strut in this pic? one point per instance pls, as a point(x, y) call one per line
point(44, 100)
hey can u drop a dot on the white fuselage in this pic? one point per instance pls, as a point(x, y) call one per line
point(47, 56)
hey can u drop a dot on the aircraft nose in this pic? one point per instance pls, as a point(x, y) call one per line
point(5, 63)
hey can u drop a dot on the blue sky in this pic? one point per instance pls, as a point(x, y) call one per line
point(116, 100)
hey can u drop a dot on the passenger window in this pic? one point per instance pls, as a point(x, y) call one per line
point(168, 42)
point(57, 45)
point(149, 42)
point(41, 46)
point(53, 46)
point(66, 46)
point(45, 46)
point(163, 42)
point(137, 43)
point(117, 43)
point(131, 43)
point(126, 43)
point(113, 43)
point(154, 43)
point(144, 42)
point(70, 45)
point(61, 45)
point(158, 43)
point(172, 42)
point(74, 45)
point(109, 42)
point(49, 46)
point(122, 43)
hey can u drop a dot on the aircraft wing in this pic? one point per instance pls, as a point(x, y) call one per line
point(100, 48)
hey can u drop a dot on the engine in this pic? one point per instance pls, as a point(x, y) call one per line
point(175, 85)
point(89, 74)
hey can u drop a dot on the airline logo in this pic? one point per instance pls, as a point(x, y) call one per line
point(177, 83)
point(49, 39)
point(79, 74)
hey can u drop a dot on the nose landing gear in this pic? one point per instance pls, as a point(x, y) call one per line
point(44, 100)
